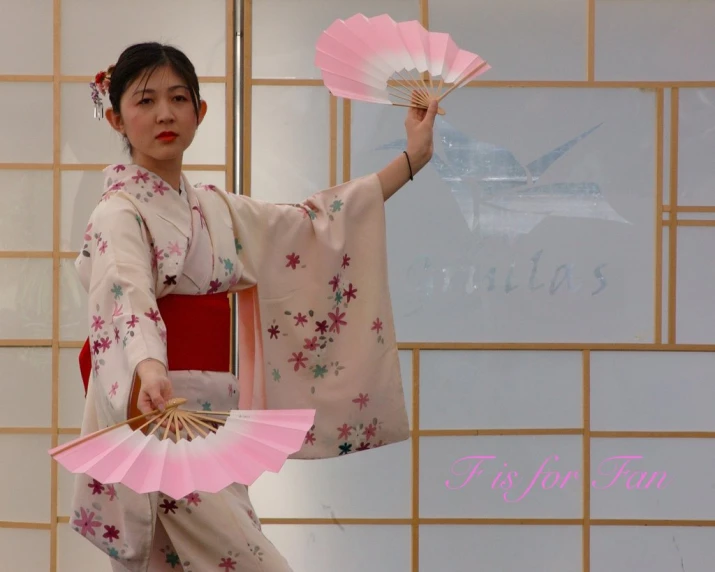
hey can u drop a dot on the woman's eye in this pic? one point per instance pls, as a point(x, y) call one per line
point(180, 98)
point(143, 101)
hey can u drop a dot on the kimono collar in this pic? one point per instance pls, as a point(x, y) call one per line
point(120, 176)
point(152, 192)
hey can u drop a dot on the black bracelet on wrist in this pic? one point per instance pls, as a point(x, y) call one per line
point(409, 164)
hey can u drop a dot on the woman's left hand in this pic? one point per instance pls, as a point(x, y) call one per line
point(419, 125)
point(420, 133)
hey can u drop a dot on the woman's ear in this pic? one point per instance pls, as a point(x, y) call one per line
point(115, 120)
point(202, 111)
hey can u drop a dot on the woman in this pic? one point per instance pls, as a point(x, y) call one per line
point(160, 257)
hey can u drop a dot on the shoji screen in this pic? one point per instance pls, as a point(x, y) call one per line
point(52, 152)
point(551, 281)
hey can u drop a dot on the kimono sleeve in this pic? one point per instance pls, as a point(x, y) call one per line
point(316, 318)
point(125, 328)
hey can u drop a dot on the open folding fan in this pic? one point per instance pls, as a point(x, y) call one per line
point(210, 450)
point(379, 60)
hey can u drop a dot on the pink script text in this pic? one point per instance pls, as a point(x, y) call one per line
point(614, 468)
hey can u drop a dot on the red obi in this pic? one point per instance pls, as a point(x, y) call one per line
point(198, 334)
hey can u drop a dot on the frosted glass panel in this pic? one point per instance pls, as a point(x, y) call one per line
point(73, 304)
point(71, 389)
point(27, 377)
point(695, 276)
point(371, 484)
point(551, 32)
point(328, 548)
point(65, 482)
point(27, 130)
point(75, 554)
point(89, 140)
point(290, 143)
point(652, 548)
point(667, 40)
point(81, 192)
point(22, 52)
point(516, 229)
point(665, 296)
point(25, 549)
point(27, 454)
point(504, 548)
point(197, 28)
point(666, 146)
point(696, 169)
point(209, 145)
point(665, 479)
point(520, 477)
point(284, 39)
point(26, 207)
point(500, 389)
point(652, 391)
point(25, 298)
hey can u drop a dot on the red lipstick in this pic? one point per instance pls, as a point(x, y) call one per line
point(167, 136)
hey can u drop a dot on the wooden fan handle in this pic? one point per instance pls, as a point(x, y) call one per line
point(133, 413)
point(155, 415)
point(440, 111)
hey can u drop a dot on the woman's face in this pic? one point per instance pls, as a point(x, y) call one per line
point(158, 116)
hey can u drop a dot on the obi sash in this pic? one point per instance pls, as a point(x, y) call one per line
point(198, 334)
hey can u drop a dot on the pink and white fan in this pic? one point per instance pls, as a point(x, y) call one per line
point(209, 450)
point(379, 60)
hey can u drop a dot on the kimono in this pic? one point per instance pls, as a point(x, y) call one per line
point(316, 331)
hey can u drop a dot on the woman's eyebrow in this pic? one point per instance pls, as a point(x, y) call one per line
point(149, 90)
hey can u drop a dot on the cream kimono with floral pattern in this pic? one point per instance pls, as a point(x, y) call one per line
point(315, 314)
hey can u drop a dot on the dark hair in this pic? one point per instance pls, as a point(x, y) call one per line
point(145, 58)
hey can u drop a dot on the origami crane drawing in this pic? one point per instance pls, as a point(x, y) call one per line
point(498, 196)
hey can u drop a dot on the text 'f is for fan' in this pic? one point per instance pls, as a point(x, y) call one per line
point(378, 60)
point(208, 452)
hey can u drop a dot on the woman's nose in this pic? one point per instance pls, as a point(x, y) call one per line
point(164, 112)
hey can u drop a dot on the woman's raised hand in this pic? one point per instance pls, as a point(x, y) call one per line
point(419, 126)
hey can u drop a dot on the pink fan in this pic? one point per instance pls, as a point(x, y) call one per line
point(210, 450)
point(379, 60)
